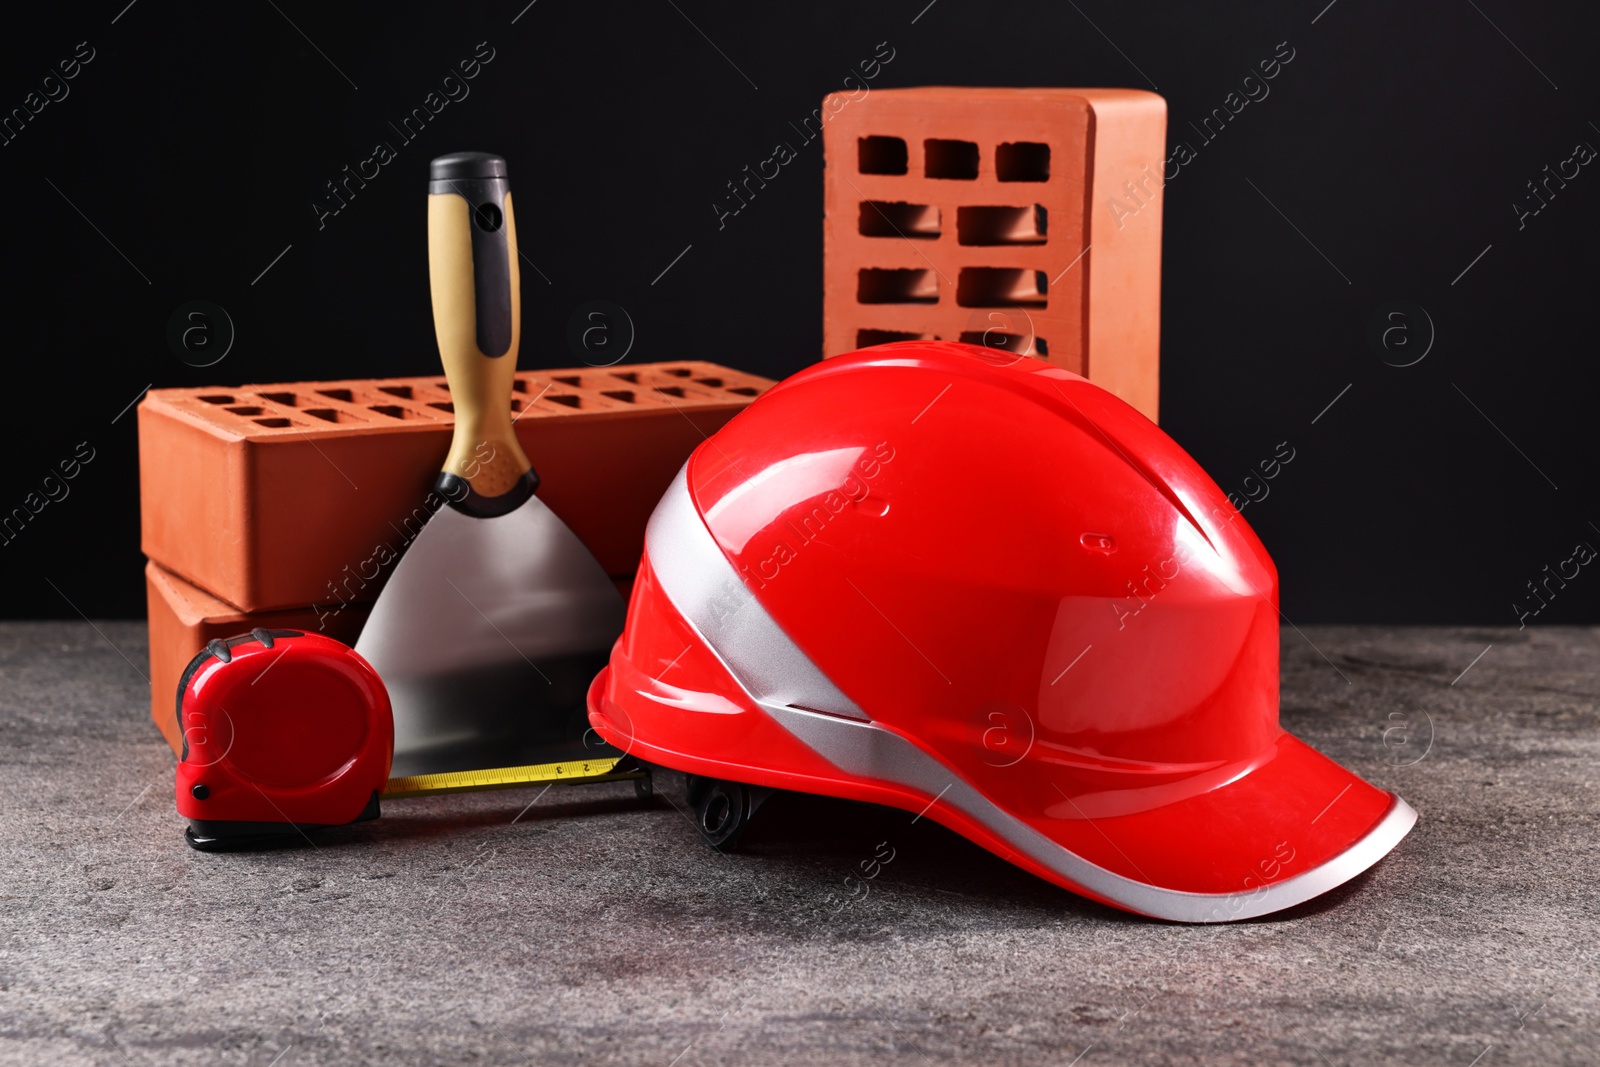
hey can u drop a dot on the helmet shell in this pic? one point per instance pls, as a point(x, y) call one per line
point(956, 581)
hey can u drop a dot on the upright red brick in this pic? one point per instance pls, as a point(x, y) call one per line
point(1025, 219)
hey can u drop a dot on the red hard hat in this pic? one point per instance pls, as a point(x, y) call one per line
point(937, 577)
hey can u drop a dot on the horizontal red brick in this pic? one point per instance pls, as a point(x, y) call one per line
point(273, 497)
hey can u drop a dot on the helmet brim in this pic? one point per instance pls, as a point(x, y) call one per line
point(1273, 833)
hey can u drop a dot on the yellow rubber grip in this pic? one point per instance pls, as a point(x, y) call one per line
point(484, 448)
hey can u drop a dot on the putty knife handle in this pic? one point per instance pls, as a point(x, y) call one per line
point(477, 316)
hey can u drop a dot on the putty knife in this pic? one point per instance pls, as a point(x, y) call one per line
point(497, 617)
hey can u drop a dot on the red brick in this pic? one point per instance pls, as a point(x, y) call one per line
point(184, 618)
point(272, 497)
point(952, 249)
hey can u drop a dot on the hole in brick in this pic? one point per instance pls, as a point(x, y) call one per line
point(517, 405)
point(950, 159)
point(331, 415)
point(1001, 225)
point(443, 405)
point(395, 411)
point(886, 218)
point(670, 390)
point(875, 285)
point(868, 338)
point(217, 398)
point(567, 399)
point(745, 390)
point(999, 287)
point(402, 391)
point(626, 376)
point(274, 424)
point(245, 411)
point(570, 379)
point(624, 395)
point(881, 155)
point(679, 372)
point(288, 400)
point(1022, 161)
point(337, 394)
point(519, 385)
point(1017, 344)
point(715, 383)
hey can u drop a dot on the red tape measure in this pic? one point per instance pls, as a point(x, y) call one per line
point(283, 731)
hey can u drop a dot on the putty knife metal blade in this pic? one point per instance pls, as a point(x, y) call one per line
point(487, 635)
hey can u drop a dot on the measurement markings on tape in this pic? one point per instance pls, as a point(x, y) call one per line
point(589, 770)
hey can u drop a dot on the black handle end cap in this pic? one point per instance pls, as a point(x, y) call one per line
point(462, 166)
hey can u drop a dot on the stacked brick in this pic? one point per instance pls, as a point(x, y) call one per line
point(287, 505)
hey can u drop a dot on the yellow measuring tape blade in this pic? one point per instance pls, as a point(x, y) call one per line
point(586, 770)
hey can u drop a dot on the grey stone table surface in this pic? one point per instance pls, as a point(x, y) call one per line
point(584, 928)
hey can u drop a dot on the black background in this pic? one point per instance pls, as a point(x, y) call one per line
point(1396, 142)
